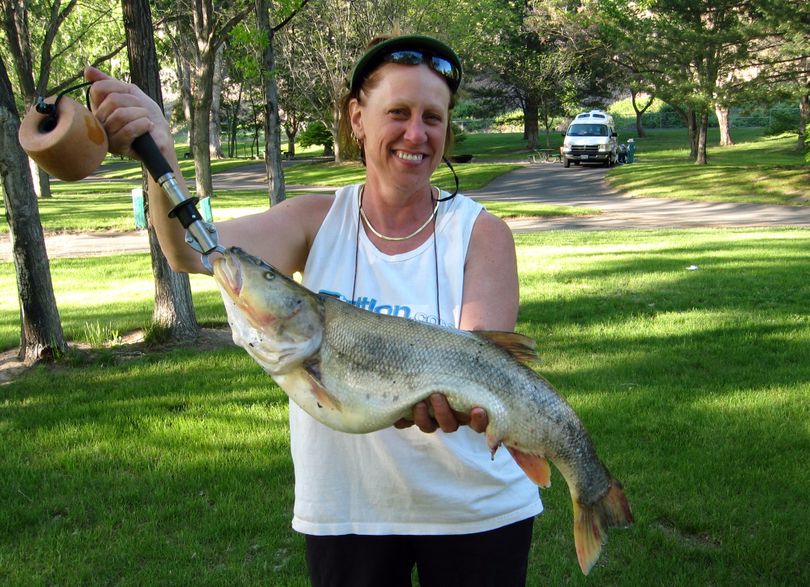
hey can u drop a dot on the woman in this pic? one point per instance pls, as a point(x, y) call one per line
point(372, 506)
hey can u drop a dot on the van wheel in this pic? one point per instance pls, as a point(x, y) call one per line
point(566, 162)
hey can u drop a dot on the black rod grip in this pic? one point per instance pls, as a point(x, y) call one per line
point(151, 156)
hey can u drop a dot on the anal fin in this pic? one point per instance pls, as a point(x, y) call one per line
point(536, 467)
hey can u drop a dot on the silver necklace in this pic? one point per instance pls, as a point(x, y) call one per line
point(393, 238)
point(435, 248)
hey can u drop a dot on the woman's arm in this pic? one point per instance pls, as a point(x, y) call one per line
point(281, 235)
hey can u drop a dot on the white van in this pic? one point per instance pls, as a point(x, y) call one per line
point(591, 138)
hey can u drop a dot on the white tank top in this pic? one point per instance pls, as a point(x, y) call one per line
point(399, 481)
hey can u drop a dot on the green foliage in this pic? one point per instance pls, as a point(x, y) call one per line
point(783, 120)
point(509, 120)
point(459, 136)
point(623, 108)
point(155, 334)
point(100, 335)
point(316, 133)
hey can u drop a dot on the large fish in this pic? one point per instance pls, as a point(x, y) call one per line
point(326, 355)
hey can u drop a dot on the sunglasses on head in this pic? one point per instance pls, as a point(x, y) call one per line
point(442, 66)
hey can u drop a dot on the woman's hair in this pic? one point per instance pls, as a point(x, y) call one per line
point(347, 142)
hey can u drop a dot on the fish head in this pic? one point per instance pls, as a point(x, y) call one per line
point(262, 301)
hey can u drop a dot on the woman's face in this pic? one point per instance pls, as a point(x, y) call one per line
point(402, 122)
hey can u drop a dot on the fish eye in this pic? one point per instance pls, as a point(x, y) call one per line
point(269, 275)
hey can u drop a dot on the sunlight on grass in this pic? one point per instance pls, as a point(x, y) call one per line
point(692, 384)
point(758, 169)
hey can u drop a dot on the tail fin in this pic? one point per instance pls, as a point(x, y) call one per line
point(592, 521)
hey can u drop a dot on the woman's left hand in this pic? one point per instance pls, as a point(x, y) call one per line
point(439, 415)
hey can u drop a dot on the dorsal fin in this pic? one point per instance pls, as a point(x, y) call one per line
point(521, 347)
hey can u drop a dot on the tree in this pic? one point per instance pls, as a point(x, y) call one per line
point(200, 28)
point(316, 133)
point(640, 110)
point(272, 124)
point(174, 309)
point(41, 335)
point(698, 55)
point(542, 72)
point(334, 36)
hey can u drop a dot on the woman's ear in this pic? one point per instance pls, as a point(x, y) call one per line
point(356, 119)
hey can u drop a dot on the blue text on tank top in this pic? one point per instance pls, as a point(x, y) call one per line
point(373, 305)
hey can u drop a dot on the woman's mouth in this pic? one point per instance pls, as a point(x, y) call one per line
point(405, 156)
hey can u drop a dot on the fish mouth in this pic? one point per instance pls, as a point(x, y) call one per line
point(228, 272)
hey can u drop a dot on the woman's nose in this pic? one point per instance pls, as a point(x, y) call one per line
point(416, 130)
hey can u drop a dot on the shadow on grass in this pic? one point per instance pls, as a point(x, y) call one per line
point(150, 472)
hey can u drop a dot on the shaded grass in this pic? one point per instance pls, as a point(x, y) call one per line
point(471, 175)
point(174, 467)
point(510, 145)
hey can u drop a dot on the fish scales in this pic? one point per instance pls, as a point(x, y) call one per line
point(357, 371)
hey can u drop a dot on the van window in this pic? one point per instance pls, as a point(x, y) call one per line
point(588, 130)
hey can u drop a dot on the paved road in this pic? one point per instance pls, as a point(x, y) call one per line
point(584, 186)
point(549, 182)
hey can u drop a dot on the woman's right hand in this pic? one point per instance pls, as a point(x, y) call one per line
point(126, 113)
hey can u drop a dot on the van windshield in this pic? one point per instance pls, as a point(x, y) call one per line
point(588, 130)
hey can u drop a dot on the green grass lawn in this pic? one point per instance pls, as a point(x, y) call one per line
point(758, 169)
point(102, 205)
point(173, 467)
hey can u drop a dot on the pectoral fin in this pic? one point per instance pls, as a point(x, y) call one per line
point(536, 468)
point(322, 395)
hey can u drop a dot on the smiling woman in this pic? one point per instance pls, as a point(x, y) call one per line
point(374, 505)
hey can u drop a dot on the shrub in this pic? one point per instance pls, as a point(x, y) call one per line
point(315, 134)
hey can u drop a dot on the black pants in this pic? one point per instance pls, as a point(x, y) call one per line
point(497, 558)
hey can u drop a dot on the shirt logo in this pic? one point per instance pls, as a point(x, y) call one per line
point(374, 305)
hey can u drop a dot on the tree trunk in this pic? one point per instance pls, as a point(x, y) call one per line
point(692, 128)
point(233, 125)
point(174, 309)
point(804, 121)
point(722, 121)
point(640, 132)
point(530, 122)
point(335, 126)
point(184, 83)
point(272, 124)
point(215, 125)
point(703, 128)
point(211, 27)
point(41, 335)
point(42, 181)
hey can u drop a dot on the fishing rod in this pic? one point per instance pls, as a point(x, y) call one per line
point(67, 140)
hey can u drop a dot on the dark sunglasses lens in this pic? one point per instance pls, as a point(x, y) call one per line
point(444, 67)
point(439, 64)
point(405, 57)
